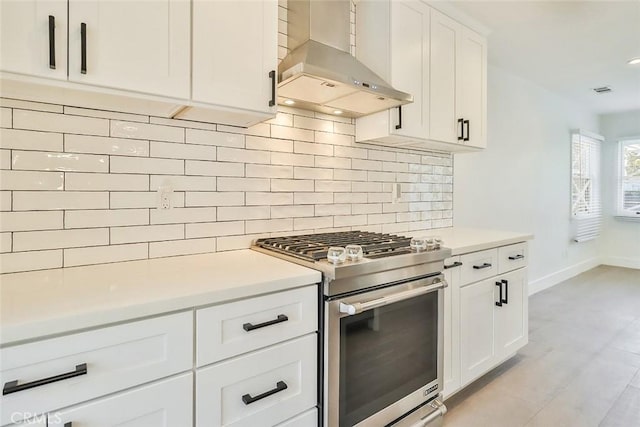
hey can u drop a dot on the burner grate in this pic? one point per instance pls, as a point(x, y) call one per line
point(314, 247)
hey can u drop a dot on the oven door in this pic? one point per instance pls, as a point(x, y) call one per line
point(384, 352)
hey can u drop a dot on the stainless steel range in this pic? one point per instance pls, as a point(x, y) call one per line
point(382, 317)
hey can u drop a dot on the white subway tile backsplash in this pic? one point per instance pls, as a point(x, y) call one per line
point(181, 247)
point(146, 233)
point(104, 182)
point(182, 215)
point(27, 261)
point(30, 140)
point(31, 180)
point(136, 130)
point(51, 122)
point(182, 151)
point(243, 184)
point(104, 254)
point(105, 145)
point(183, 183)
point(59, 200)
point(5, 242)
point(56, 239)
point(6, 115)
point(105, 218)
point(141, 199)
point(84, 184)
point(49, 161)
point(214, 229)
point(145, 165)
point(211, 198)
point(26, 221)
point(227, 213)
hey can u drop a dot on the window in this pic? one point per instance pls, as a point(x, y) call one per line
point(586, 210)
point(628, 188)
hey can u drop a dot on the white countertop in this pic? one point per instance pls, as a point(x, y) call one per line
point(42, 303)
point(464, 240)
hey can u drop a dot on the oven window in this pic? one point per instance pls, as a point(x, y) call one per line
point(385, 354)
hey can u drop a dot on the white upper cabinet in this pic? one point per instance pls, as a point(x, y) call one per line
point(33, 37)
point(235, 54)
point(139, 46)
point(458, 83)
point(404, 27)
point(439, 61)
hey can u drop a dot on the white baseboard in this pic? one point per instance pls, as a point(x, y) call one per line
point(561, 275)
point(618, 261)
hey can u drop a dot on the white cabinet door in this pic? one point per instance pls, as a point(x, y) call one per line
point(168, 403)
point(33, 37)
point(452, 326)
point(234, 51)
point(511, 319)
point(139, 46)
point(442, 95)
point(471, 86)
point(477, 303)
point(410, 66)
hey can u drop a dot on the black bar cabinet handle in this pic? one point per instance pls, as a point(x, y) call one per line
point(399, 125)
point(69, 424)
point(83, 48)
point(480, 267)
point(515, 257)
point(461, 129)
point(280, 386)
point(455, 264)
point(466, 138)
point(14, 387)
point(506, 291)
point(250, 326)
point(499, 302)
point(52, 42)
point(272, 76)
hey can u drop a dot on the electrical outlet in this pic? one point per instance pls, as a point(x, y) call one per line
point(164, 197)
point(396, 193)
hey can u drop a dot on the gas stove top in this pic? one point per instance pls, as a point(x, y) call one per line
point(385, 258)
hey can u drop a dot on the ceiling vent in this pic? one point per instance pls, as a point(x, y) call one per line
point(602, 89)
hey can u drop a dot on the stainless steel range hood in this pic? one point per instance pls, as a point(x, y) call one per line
point(320, 74)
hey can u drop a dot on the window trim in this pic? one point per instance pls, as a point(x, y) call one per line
point(620, 213)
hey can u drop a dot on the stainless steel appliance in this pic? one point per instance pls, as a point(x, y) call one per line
point(382, 318)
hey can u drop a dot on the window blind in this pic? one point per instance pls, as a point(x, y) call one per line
point(586, 206)
point(629, 179)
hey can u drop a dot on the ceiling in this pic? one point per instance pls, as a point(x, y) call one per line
point(569, 47)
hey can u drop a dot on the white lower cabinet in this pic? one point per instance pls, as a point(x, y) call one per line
point(167, 403)
point(262, 388)
point(452, 326)
point(511, 320)
point(308, 419)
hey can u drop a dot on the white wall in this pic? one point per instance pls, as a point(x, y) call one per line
point(620, 243)
point(521, 182)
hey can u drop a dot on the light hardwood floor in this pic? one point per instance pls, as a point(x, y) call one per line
point(581, 367)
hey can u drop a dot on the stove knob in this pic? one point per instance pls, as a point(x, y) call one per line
point(354, 252)
point(336, 255)
point(418, 244)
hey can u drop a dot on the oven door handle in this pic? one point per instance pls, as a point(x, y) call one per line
point(359, 307)
point(440, 410)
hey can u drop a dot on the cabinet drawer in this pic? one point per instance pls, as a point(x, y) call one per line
point(512, 257)
point(478, 265)
point(164, 404)
point(94, 363)
point(250, 390)
point(308, 419)
point(230, 329)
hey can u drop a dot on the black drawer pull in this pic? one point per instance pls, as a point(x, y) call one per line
point(14, 387)
point(280, 386)
point(480, 267)
point(83, 48)
point(399, 125)
point(506, 291)
point(455, 264)
point(272, 76)
point(466, 138)
point(499, 302)
point(519, 256)
point(52, 42)
point(250, 326)
point(69, 424)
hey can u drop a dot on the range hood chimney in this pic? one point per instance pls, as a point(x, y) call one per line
point(320, 74)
